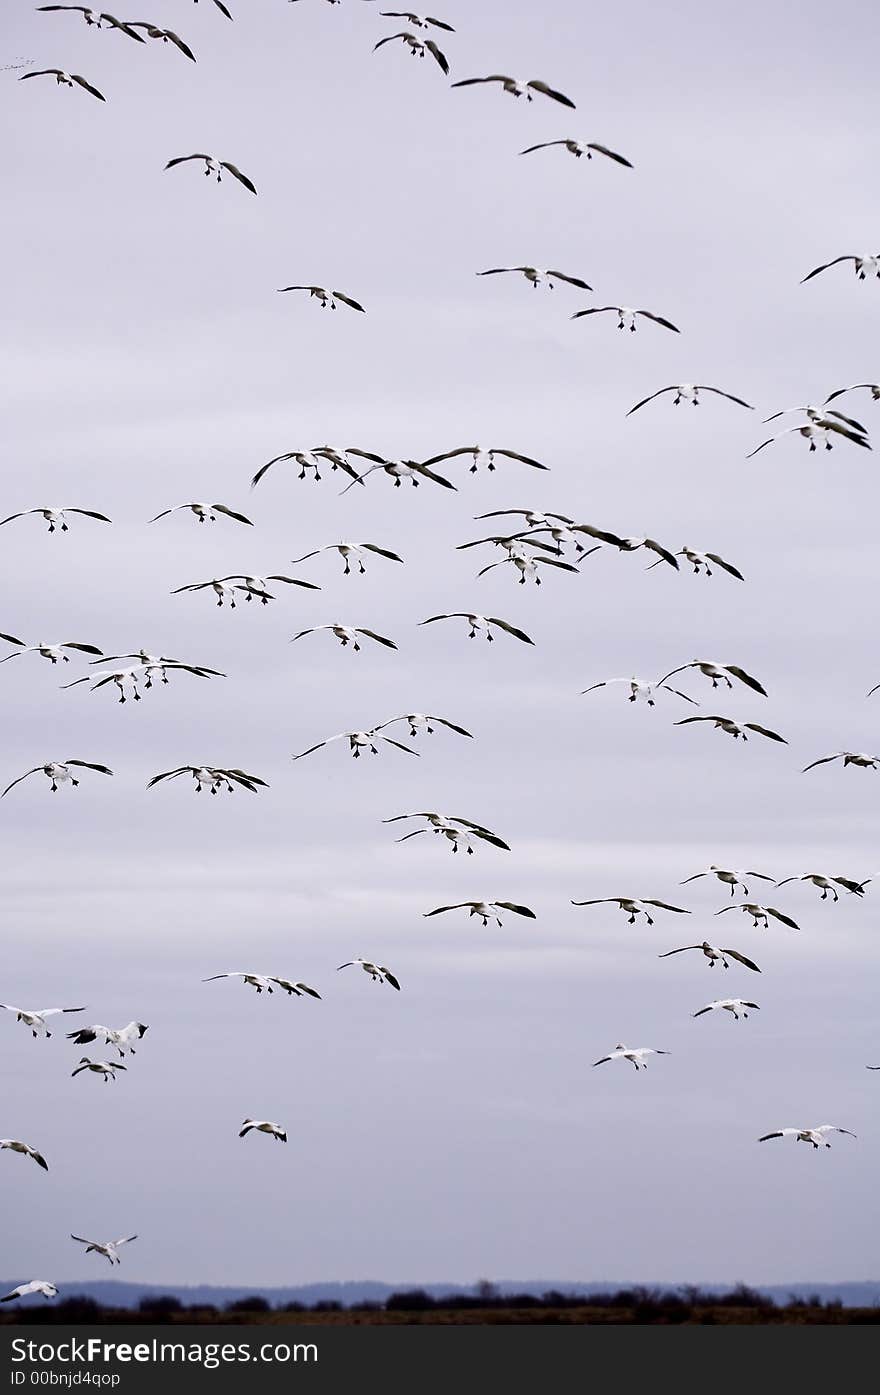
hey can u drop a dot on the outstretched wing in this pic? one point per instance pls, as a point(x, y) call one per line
point(824, 267)
point(765, 731)
point(237, 174)
point(538, 86)
point(645, 400)
point(509, 629)
point(741, 958)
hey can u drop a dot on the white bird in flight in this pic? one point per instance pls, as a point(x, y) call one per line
point(213, 777)
point(421, 721)
point(689, 392)
point(94, 17)
point(56, 518)
point(398, 471)
point(418, 47)
point(519, 87)
point(736, 1006)
point(123, 1039)
point(487, 910)
point(729, 877)
point(633, 906)
point(817, 1136)
point(326, 299)
point(167, 36)
point(857, 758)
point(107, 1069)
point(34, 1018)
point(59, 773)
point(205, 513)
point(358, 741)
point(719, 673)
point(579, 148)
point(734, 728)
point(64, 79)
point(107, 1248)
point(41, 1286)
point(378, 973)
point(347, 635)
point(537, 276)
point(16, 1146)
point(447, 825)
point(700, 561)
point(714, 955)
point(214, 166)
point(264, 1126)
point(761, 914)
point(527, 566)
point(634, 1054)
point(52, 652)
point(826, 884)
point(349, 552)
point(417, 21)
point(640, 688)
point(865, 264)
point(626, 316)
point(481, 623)
point(488, 454)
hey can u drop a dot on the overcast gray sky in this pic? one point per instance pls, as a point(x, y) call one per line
point(455, 1129)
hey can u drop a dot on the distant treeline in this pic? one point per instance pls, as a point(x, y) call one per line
point(638, 1304)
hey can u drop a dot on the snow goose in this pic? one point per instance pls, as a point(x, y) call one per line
point(446, 824)
point(59, 773)
point(64, 79)
point(736, 1006)
point(349, 552)
point(107, 1248)
point(626, 316)
point(485, 909)
point(865, 264)
point(537, 276)
point(398, 471)
point(16, 1146)
point(306, 460)
point(873, 388)
point(628, 544)
point(689, 392)
point(326, 299)
point(729, 878)
point(259, 585)
point(259, 981)
point(135, 673)
point(214, 166)
point(761, 914)
point(296, 989)
point(714, 955)
point(562, 537)
point(122, 1038)
point(264, 1126)
point(378, 973)
point(422, 721)
point(97, 18)
point(417, 21)
point(734, 728)
point(418, 47)
point(488, 454)
point(532, 517)
point(816, 431)
point(826, 884)
point(640, 688)
point(635, 1054)
point(158, 663)
point(213, 777)
point(35, 1018)
point(857, 758)
point(515, 544)
point(107, 1069)
point(816, 1136)
point(528, 566)
point(481, 623)
point(56, 518)
point(52, 652)
point(223, 589)
point(633, 906)
point(579, 148)
point(519, 87)
point(719, 673)
point(358, 741)
point(205, 513)
point(700, 562)
point(41, 1286)
point(346, 634)
point(167, 36)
